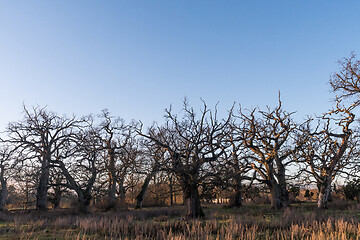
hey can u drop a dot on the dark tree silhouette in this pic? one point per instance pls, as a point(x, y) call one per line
point(7, 162)
point(115, 137)
point(39, 135)
point(346, 82)
point(80, 163)
point(192, 143)
point(151, 162)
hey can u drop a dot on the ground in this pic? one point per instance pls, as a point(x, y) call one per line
point(302, 221)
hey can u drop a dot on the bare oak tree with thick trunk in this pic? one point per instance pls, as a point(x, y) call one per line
point(327, 152)
point(116, 139)
point(40, 134)
point(80, 164)
point(191, 143)
point(269, 137)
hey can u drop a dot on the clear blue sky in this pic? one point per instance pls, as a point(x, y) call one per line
point(137, 57)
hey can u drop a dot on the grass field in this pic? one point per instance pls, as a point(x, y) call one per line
point(250, 222)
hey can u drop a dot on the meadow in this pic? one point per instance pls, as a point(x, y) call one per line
point(302, 221)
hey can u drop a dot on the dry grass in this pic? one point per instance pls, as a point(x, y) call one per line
point(254, 222)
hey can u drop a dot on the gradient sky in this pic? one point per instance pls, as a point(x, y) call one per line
point(137, 57)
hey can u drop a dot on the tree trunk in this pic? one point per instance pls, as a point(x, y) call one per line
point(284, 193)
point(237, 198)
point(276, 202)
point(285, 201)
point(41, 196)
point(171, 191)
point(3, 194)
point(57, 193)
point(144, 187)
point(112, 179)
point(237, 201)
point(324, 191)
point(57, 197)
point(84, 200)
point(122, 191)
point(84, 196)
point(194, 209)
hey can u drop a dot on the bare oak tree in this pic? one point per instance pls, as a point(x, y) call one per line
point(39, 135)
point(79, 163)
point(7, 162)
point(149, 164)
point(117, 141)
point(269, 135)
point(327, 152)
point(236, 167)
point(346, 82)
point(192, 143)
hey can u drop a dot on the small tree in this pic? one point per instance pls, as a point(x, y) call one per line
point(351, 190)
point(346, 82)
point(294, 192)
point(308, 194)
